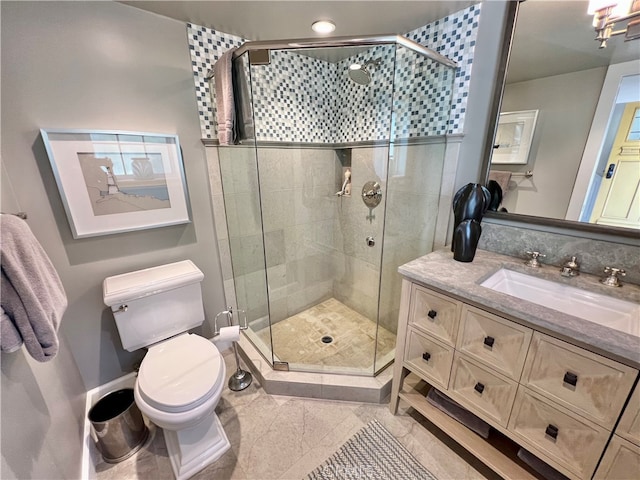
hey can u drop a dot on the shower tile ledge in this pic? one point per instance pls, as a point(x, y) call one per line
point(316, 385)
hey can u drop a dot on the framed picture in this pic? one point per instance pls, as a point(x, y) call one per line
point(514, 136)
point(113, 182)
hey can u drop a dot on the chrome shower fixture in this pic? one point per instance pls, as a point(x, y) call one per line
point(360, 73)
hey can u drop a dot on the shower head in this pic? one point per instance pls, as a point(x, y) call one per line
point(360, 73)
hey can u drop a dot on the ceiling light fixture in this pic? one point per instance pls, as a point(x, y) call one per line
point(606, 13)
point(323, 26)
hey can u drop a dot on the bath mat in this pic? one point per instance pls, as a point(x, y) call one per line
point(371, 453)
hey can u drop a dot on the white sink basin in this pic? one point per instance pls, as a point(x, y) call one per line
point(594, 307)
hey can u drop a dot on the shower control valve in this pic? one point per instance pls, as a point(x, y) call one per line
point(372, 194)
point(370, 241)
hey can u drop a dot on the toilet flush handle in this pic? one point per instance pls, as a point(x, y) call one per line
point(123, 308)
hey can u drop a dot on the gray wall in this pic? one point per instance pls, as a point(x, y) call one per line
point(566, 105)
point(100, 65)
point(41, 405)
point(483, 77)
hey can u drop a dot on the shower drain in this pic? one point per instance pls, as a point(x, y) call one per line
point(327, 339)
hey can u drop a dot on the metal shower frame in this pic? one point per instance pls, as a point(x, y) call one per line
point(364, 41)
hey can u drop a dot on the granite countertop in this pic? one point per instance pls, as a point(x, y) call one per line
point(439, 271)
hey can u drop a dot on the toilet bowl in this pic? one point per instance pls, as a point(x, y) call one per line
point(180, 381)
point(178, 387)
point(182, 376)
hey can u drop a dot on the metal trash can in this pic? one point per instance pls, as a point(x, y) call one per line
point(117, 426)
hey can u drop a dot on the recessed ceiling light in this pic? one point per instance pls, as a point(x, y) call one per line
point(323, 26)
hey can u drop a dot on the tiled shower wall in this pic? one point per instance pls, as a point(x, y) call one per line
point(314, 241)
point(302, 99)
point(453, 36)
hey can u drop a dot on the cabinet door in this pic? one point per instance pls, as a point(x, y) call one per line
point(621, 461)
point(564, 440)
point(435, 314)
point(629, 426)
point(586, 383)
point(428, 358)
point(485, 393)
point(494, 341)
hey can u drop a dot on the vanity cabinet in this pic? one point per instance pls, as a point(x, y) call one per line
point(558, 401)
point(588, 384)
point(629, 426)
point(622, 458)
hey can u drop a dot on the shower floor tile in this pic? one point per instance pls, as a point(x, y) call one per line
point(298, 339)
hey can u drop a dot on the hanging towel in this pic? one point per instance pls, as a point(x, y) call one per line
point(10, 337)
point(225, 104)
point(242, 99)
point(503, 179)
point(31, 293)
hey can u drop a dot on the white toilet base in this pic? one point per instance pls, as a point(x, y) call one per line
point(192, 449)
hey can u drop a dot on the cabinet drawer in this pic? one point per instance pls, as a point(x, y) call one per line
point(621, 461)
point(494, 341)
point(487, 394)
point(586, 383)
point(435, 314)
point(429, 358)
point(629, 426)
point(566, 441)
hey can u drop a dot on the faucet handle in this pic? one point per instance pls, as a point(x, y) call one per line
point(533, 261)
point(612, 279)
point(570, 268)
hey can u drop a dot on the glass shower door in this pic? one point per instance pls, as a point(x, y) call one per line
point(321, 136)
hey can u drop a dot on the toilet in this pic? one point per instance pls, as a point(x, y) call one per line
point(182, 375)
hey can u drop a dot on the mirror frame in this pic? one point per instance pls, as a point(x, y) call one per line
point(569, 227)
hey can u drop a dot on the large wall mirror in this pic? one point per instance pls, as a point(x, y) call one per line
point(566, 150)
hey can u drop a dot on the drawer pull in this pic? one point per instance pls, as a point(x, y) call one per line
point(570, 378)
point(426, 356)
point(552, 431)
point(479, 388)
point(432, 314)
point(489, 341)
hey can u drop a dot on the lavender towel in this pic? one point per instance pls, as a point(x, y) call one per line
point(31, 293)
point(225, 104)
point(11, 339)
point(457, 411)
point(539, 466)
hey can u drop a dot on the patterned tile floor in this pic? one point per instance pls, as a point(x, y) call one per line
point(277, 437)
point(298, 339)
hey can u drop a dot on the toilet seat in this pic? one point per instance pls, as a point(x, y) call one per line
point(180, 374)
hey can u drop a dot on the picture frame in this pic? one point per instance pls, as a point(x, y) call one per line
point(114, 181)
point(513, 137)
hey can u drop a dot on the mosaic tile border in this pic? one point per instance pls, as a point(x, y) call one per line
point(316, 114)
point(454, 36)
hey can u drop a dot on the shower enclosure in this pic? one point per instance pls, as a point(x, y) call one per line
point(334, 182)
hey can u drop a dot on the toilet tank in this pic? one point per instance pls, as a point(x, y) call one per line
point(156, 303)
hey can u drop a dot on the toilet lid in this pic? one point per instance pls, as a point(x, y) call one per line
point(180, 373)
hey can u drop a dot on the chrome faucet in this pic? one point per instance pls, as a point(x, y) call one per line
point(533, 261)
point(570, 268)
point(612, 280)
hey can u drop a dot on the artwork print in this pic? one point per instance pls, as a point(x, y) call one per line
point(112, 181)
